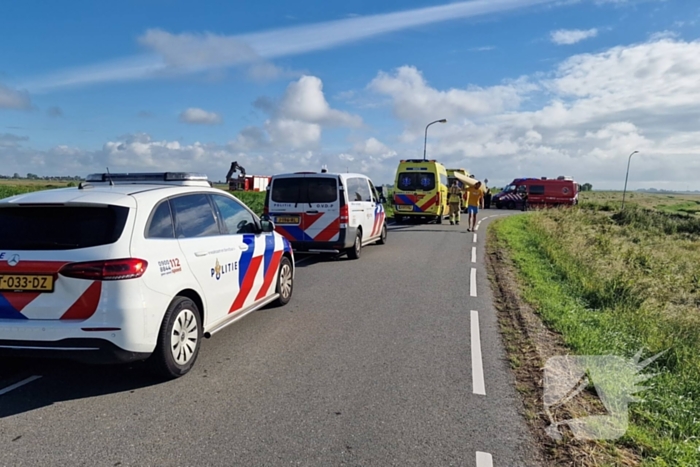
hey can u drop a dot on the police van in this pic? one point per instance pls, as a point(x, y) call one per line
point(132, 267)
point(420, 191)
point(335, 213)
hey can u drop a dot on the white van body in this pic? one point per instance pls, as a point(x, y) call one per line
point(326, 212)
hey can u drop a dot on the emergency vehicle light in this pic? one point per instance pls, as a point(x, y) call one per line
point(147, 177)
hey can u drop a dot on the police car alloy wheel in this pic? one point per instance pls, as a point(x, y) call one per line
point(285, 282)
point(179, 339)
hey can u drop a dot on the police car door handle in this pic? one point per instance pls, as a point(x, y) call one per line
point(311, 212)
point(201, 253)
point(243, 247)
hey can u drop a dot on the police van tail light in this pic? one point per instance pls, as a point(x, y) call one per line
point(344, 214)
point(109, 270)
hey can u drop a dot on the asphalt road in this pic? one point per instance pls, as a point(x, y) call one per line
point(375, 362)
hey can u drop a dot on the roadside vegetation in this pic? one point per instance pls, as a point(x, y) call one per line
point(614, 283)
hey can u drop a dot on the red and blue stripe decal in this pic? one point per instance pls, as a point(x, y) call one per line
point(11, 305)
point(271, 264)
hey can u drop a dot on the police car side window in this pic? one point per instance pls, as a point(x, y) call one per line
point(236, 218)
point(194, 216)
point(161, 224)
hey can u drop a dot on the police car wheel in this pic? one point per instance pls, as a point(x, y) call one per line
point(356, 249)
point(285, 282)
point(382, 238)
point(179, 339)
point(510, 205)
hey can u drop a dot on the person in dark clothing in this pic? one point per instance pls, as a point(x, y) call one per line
point(487, 199)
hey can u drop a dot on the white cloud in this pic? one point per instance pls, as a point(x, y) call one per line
point(572, 36)
point(191, 52)
point(600, 108)
point(296, 120)
point(413, 99)
point(200, 117)
point(305, 101)
point(14, 99)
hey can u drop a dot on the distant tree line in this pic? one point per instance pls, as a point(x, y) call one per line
point(586, 187)
point(31, 176)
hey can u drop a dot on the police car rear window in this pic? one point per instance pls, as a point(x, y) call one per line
point(305, 190)
point(60, 227)
point(411, 181)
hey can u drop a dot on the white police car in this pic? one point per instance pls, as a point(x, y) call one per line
point(131, 266)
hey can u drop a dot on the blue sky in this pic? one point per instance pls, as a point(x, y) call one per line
point(279, 99)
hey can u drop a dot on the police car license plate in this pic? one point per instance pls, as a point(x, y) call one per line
point(287, 220)
point(26, 283)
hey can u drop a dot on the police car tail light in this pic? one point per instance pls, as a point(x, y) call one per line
point(109, 270)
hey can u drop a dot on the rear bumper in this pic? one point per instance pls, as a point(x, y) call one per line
point(95, 351)
point(346, 240)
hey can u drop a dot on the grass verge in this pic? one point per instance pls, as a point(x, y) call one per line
point(605, 284)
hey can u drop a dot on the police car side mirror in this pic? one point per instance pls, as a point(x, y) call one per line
point(266, 224)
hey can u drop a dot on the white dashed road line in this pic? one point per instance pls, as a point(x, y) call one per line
point(472, 283)
point(484, 459)
point(473, 254)
point(18, 385)
point(474, 238)
point(477, 364)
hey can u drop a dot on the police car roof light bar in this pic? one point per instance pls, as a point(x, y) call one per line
point(147, 177)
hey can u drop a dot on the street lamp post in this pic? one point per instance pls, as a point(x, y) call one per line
point(626, 177)
point(425, 145)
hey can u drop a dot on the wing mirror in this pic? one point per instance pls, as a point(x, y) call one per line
point(266, 224)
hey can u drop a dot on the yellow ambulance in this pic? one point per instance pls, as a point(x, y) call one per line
point(420, 191)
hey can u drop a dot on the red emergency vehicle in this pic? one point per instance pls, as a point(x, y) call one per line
point(560, 191)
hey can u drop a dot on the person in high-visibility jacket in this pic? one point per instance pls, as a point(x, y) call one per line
point(454, 201)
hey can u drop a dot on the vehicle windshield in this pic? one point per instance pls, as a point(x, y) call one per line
point(509, 188)
point(60, 227)
point(305, 190)
point(412, 181)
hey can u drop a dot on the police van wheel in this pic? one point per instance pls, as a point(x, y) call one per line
point(382, 238)
point(285, 282)
point(510, 205)
point(356, 249)
point(179, 339)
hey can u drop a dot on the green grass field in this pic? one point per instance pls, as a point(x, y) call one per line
point(613, 283)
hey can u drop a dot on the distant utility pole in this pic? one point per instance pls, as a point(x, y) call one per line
point(626, 177)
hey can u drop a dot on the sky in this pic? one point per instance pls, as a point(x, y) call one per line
point(529, 88)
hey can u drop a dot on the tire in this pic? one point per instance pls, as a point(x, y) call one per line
point(172, 361)
point(382, 238)
point(510, 205)
point(285, 282)
point(439, 219)
point(355, 250)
